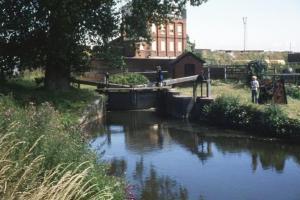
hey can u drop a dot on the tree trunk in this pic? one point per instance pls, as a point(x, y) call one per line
point(57, 75)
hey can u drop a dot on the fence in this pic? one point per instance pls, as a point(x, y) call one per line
point(240, 73)
point(226, 72)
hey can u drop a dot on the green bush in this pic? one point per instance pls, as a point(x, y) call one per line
point(129, 79)
point(293, 92)
point(276, 120)
point(228, 112)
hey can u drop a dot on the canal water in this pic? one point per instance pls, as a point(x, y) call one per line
point(174, 159)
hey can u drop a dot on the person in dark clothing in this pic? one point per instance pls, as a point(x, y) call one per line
point(106, 78)
point(160, 76)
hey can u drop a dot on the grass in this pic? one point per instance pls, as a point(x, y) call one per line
point(242, 92)
point(43, 154)
point(70, 104)
point(25, 179)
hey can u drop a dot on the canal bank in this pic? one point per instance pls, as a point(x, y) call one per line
point(225, 111)
point(39, 134)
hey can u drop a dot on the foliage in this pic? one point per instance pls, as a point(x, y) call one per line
point(50, 156)
point(240, 57)
point(138, 14)
point(257, 68)
point(26, 178)
point(24, 91)
point(228, 112)
point(111, 55)
point(293, 92)
point(129, 79)
point(275, 119)
point(55, 33)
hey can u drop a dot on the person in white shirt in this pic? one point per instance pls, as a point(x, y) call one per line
point(254, 89)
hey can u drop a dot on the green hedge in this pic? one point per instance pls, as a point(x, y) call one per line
point(129, 79)
point(228, 112)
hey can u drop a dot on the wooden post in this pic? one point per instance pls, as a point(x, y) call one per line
point(201, 89)
point(208, 88)
point(195, 85)
point(225, 73)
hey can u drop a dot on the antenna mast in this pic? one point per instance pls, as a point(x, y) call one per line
point(245, 31)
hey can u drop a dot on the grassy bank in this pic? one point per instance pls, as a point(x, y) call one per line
point(229, 112)
point(233, 109)
point(43, 153)
point(242, 92)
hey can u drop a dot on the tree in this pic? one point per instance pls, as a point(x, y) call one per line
point(54, 33)
point(257, 68)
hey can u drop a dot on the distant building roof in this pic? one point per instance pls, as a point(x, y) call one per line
point(294, 57)
point(184, 55)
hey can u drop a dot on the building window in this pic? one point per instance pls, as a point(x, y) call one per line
point(163, 45)
point(153, 29)
point(162, 29)
point(153, 46)
point(179, 46)
point(171, 46)
point(171, 29)
point(179, 29)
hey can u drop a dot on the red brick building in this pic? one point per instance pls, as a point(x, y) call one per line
point(168, 40)
point(166, 49)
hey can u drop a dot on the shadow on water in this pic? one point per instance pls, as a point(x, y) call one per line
point(139, 145)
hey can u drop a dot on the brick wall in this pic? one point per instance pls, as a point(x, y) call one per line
point(168, 40)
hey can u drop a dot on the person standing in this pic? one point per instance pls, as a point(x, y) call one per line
point(159, 76)
point(106, 79)
point(254, 89)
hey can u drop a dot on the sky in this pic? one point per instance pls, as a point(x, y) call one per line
point(272, 25)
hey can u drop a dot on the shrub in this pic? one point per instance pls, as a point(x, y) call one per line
point(293, 92)
point(129, 79)
point(227, 111)
point(274, 118)
point(277, 121)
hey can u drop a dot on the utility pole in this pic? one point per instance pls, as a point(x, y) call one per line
point(245, 31)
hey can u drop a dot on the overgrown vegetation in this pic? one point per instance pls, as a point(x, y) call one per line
point(43, 152)
point(293, 92)
point(242, 58)
point(227, 111)
point(242, 92)
point(129, 79)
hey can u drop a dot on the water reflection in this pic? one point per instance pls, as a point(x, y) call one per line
point(178, 160)
point(157, 187)
point(149, 185)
